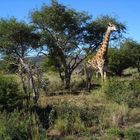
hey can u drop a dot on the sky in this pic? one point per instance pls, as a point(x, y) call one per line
point(127, 11)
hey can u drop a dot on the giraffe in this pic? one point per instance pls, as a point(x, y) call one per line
point(98, 62)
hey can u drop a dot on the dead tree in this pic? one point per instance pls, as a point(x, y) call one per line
point(28, 81)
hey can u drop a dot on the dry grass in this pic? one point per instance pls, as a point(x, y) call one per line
point(81, 100)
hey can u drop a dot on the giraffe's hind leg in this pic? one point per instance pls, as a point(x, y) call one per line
point(89, 74)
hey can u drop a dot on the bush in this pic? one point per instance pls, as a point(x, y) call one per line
point(77, 120)
point(61, 125)
point(14, 127)
point(115, 133)
point(117, 61)
point(132, 134)
point(134, 86)
point(10, 94)
point(123, 91)
point(69, 120)
point(114, 115)
point(116, 90)
point(20, 126)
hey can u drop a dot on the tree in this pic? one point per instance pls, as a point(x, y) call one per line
point(117, 61)
point(66, 35)
point(97, 28)
point(132, 50)
point(16, 41)
point(63, 37)
point(128, 55)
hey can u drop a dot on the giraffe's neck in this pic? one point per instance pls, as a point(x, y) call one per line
point(104, 45)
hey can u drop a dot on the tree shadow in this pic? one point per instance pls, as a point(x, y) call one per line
point(82, 86)
point(95, 86)
point(43, 114)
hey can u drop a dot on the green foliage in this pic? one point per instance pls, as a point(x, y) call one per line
point(132, 134)
point(20, 126)
point(114, 115)
point(63, 38)
point(3, 66)
point(115, 132)
point(117, 61)
point(123, 91)
point(69, 121)
point(128, 55)
point(135, 93)
point(35, 130)
point(14, 126)
point(129, 134)
point(54, 84)
point(48, 65)
point(16, 37)
point(132, 50)
point(7, 66)
point(10, 95)
point(61, 125)
point(97, 28)
point(117, 90)
point(74, 119)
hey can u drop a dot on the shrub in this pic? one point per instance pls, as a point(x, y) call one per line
point(123, 91)
point(10, 94)
point(61, 125)
point(114, 115)
point(115, 133)
point(77, 120)
point(132, 134)
point(116, 90)
point(118, 61)
point(70, 120)
point(134, 115)
point(20, 126)
point(13, 126)
point(134, 87)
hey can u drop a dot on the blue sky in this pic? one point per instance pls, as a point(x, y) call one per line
point(127, 11)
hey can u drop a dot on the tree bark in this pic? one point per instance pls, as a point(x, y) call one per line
point(29, 74)
point(67, 80)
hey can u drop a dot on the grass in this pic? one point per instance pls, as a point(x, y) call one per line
point(96, 115)
point(101, 114)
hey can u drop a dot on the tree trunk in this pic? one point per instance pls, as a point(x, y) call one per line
point(35, 93)
point(67, 80)
point(61, 77)
point(30, 77)
point(24, 86)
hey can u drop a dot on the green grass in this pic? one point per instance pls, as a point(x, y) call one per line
point(107, 112)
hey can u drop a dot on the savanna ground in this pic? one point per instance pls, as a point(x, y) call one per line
point(109, 111)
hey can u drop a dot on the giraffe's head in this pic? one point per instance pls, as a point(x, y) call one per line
point(111, 27)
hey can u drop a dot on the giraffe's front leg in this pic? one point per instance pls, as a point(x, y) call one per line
point(97, 74)
point(101, 72)
point(105, 71)
point(104, 75)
